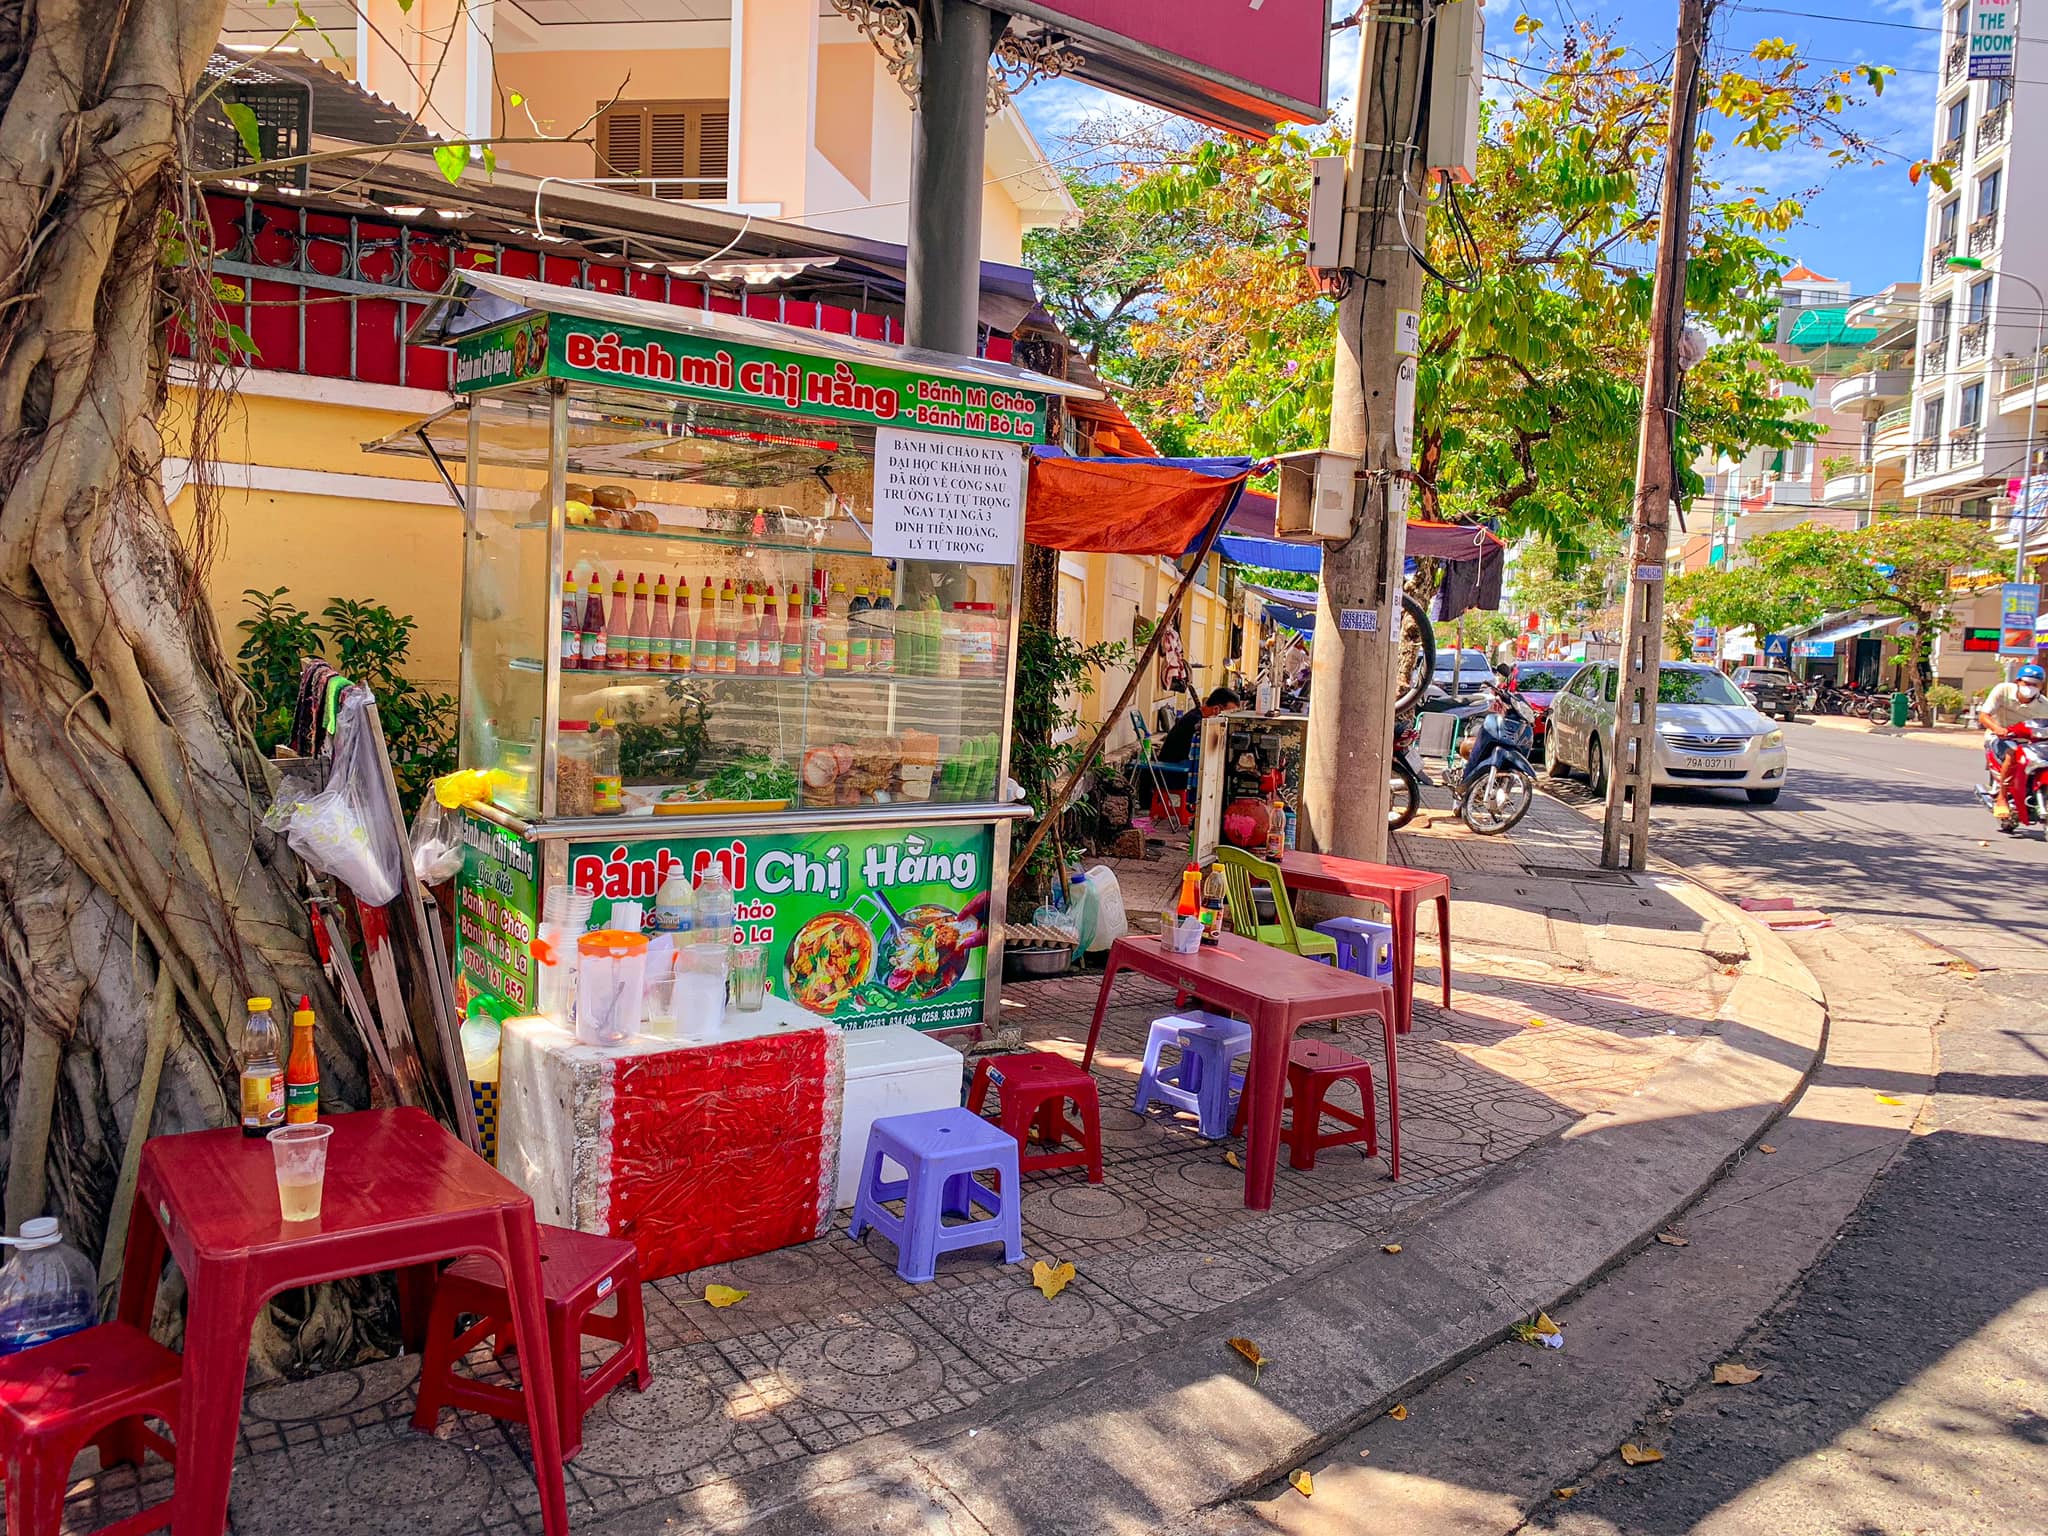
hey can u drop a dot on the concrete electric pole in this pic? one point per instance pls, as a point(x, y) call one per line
point(1372, 412)
point(1625, 834)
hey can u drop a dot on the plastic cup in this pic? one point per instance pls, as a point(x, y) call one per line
point(749, 975)
point(300, 1152)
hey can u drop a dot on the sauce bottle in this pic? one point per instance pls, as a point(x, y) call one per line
point(770, 629)
point(859, 653)
point(747, 636)
point(639, 628)
point(793, 637)
point(302, 1071)
point(594, 649)
point(705, 656)
point(262, 1073)
point(657, 629)
point(728, 633)
point(618, 656)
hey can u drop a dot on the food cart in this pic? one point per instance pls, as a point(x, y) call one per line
point(800, 551)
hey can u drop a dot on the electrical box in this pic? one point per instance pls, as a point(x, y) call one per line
point(1326, 212)
point(1457, 74)
point(1317, 493)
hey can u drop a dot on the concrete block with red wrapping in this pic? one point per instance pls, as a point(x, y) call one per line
point(696, 1152)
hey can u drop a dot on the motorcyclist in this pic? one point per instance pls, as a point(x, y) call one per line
point(2004, 707)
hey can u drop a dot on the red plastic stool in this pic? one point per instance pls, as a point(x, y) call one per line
point(578, 1271)
point(94, 1387)
point(1035, 1088)
point(1313, 1066)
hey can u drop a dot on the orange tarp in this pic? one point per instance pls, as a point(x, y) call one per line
point(1114, 506)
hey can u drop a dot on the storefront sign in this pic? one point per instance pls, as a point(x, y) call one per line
point(709, 368)
point(938, 498)
point(1992, 36)
point(865, 928)
point(2019, 605)
point(496, 909)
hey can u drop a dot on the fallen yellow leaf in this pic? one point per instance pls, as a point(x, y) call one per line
point(1234, 1161)
point(1250, 1351)
point(1673, 1240)
point(724, 1295)
point(1886, 1098)
point(1767, 1149)
point(1051, 1279)
point(1729, 1374)
point(1303, 1483)
point(1398, 1412)
point(1565, 1492)
point(1640, 1455)
point(1390, 1248)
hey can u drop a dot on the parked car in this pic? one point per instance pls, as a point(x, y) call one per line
point(1537, 684)
point(1772, 690)
point(1462, 674)
point(1708, 734)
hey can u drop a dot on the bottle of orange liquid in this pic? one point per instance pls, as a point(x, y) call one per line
point(302, 1071)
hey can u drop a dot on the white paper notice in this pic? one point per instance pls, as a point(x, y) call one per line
point(947, 498)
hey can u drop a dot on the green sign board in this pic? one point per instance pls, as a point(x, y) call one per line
point(789, 383)
point(885, 927)
point(497, 912)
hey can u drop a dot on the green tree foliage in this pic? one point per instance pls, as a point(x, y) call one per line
point(1530, 375)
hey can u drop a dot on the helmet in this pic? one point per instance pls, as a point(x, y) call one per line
point(2028, 674)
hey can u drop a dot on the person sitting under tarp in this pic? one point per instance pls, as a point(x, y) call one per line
point(1178, 744)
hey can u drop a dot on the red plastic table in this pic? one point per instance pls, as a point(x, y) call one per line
point(1401, 891)
point(400, 1192)
point(1276, 993)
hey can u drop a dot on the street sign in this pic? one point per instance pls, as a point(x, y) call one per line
point(2019, 608)
point(1247, 68)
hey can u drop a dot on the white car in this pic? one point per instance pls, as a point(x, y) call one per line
point(1708, 735)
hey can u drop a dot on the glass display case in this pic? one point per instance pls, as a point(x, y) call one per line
point(739, 596)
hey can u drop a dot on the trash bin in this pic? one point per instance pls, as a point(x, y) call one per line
point(1900, 705)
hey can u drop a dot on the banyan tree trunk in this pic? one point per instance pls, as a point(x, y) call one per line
point(131, 853)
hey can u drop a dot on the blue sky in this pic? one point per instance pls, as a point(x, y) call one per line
point(1863, 223)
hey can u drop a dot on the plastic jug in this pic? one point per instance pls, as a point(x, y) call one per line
point(46, 1288)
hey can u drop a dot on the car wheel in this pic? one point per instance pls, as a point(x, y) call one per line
point(1763, 796)
point(1596, 765)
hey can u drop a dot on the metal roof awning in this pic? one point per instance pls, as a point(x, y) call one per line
point(476, 300)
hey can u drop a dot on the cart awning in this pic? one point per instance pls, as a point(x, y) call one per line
point(1127, 506)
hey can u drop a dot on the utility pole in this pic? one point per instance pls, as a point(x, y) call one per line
point(1372, 410)
point(1625, 833)
point(948, 138)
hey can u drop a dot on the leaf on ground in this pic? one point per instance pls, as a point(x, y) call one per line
point(1886, 1098)
point(1051, 1279)
point(1565, 1492)
point(1398, 1412)
point(1767, 1149)
point(1303, 1483)
point(724, 1295)
point(1390, 1248)
point(1234, 1161)
point(1729, 1374)
point(1639, 1455)
point(1250, 1351)
point(1673, 1240)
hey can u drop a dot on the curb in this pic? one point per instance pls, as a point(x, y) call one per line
point(1138, 1437)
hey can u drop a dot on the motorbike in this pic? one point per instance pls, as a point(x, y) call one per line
point(1404, 776)
point(2029, 799)
point(1501, 796)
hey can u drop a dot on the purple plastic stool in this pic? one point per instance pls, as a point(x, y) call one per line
point(1201, 1082)
point(1363, 948)
point(940, 1151)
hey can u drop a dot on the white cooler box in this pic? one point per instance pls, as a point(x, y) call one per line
point(890, 1070)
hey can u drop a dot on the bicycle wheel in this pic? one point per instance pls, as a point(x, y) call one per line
point(1498, 801)
point(1418, 653)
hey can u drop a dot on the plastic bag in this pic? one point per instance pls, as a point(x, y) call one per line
point(347, 830)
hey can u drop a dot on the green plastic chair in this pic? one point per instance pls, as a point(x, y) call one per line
point(1240, 871)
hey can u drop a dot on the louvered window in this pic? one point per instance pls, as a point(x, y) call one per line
point(667, 139)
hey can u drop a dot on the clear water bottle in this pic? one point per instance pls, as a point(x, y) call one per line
point(714, 908)
point(46, 1288)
